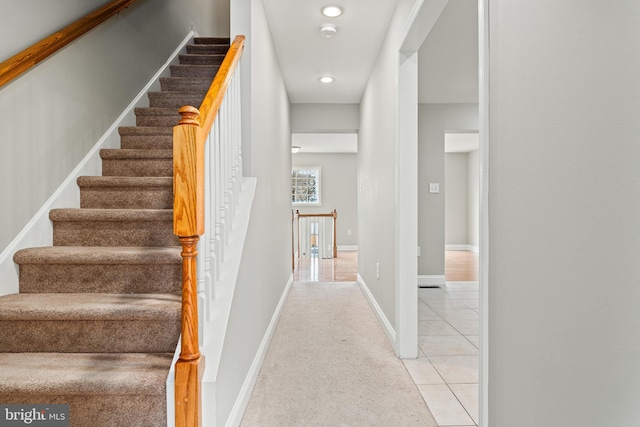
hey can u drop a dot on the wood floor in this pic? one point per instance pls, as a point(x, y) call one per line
point(460, 266)
point(344, 268)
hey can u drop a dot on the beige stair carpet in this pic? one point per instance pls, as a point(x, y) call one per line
point(330, 364)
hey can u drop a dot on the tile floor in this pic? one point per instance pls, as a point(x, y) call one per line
point(446, 371)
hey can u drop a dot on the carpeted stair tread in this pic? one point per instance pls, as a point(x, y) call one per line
point(90, 306)
point(76, 214)
point(194, 70)
point(57, 374)
point(157, 116)
point(125, 181)
point(137, 162)
point(123, 192)
point(145, 131)
point(73, 269)
point(198, 59)
point(98, 255)
point(113, 227)
point(207, 49)
point(89, 322)
point(146, 137)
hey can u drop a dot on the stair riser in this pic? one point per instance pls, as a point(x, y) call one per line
point(137, 167)
point(126, 198)
point(158, 120)
point(212, 40)
point(200, 49)
point(98, 410)
point(166, 100)
point(185, 85)
point(89, 336)
point(150, 142)
point(98, 278)
point(190, 70)
point(201, 59)
point(114, 233)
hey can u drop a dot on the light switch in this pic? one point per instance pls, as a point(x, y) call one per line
point(434, 187)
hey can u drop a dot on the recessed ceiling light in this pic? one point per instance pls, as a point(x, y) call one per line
point(295, 149)
point(326, 79)
point(331, 11)
point(327, 30)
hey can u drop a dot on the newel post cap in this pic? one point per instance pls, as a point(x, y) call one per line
point(190, 116)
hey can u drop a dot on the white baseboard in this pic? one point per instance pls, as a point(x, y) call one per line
point(386, 325)
point(348, 248)
point(432, 280)
point(461, 248)
point(240, 405)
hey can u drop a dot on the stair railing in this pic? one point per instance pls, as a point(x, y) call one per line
point(311, 233)
point(38, 52)
point(207, 176)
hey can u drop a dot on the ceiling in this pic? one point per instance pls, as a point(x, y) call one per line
point(348, 56)
point(448, 58)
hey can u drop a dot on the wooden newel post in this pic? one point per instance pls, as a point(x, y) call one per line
point(188, 211)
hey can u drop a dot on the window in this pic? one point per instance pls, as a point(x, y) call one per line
point(305, 185)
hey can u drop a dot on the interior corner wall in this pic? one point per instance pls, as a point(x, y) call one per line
point(473, 202)
point(564, 210)
point(339, 190)
point(53, 115)
point(433, 121)
point(456, 195)
point(266, 261)
point(377, 169)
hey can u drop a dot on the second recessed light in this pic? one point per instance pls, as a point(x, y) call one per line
point(328, 30)
point(326, 79)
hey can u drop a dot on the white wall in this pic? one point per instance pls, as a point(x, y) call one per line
point(564, 239)
point(434, 121)
point(461, 193)
point(473, 203)
point(377, 169)
point(54, 114)
point(338, 191)
point(325, 117)
point(456, 198)
point(266, 263)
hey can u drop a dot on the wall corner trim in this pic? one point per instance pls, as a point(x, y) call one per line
point(384, 322)
point(433, 280)
point(240, 405)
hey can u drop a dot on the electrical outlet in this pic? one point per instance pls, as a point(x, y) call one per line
point(348, 232)
point(418, 250)
point(434, 187)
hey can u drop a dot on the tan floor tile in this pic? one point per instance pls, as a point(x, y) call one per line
point(444, 406)
point(422, 372)
point(456, 369)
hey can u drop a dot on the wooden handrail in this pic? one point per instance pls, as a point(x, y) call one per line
point(213, 99)
point(38, 52)
point(189, 139)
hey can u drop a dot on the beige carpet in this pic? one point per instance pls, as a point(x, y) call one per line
point(330, 364)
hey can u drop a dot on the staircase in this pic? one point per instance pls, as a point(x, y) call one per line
point(97, 318)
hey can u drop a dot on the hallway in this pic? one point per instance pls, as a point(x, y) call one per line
point(446, 370)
